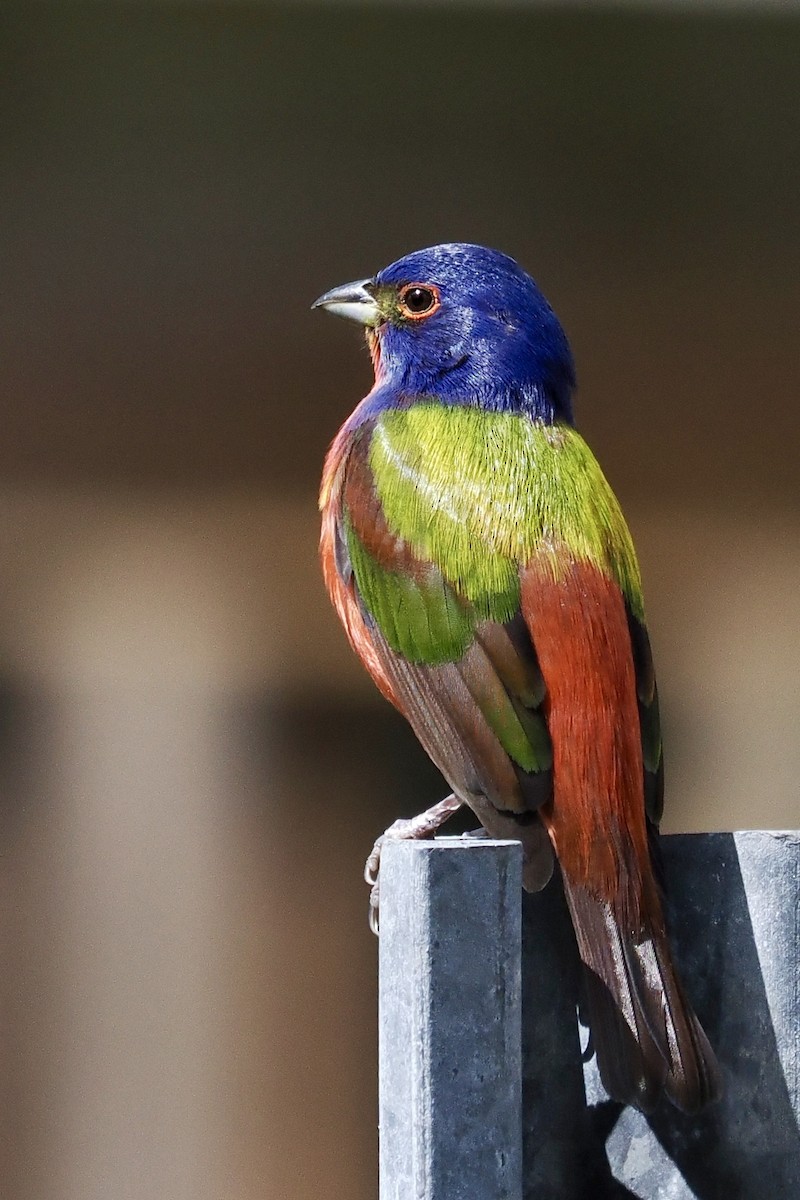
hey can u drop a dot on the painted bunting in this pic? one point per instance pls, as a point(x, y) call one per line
point(485, 576)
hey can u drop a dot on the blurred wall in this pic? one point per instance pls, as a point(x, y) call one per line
point(193, 767)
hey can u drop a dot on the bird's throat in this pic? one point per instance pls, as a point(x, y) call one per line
point(374, 344)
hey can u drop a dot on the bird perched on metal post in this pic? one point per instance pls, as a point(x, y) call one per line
point(485, 576)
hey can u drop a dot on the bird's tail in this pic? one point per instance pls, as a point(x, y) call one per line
point(646, 1036)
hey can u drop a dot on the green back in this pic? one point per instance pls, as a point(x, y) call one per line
point(478, 495)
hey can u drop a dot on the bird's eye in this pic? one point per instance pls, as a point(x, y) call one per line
point(418, 300)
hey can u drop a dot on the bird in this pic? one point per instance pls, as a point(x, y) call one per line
point(485, 576)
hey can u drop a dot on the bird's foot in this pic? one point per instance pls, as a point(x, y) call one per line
point(404, 829)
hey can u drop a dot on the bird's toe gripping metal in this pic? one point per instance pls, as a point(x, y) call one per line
point(404, 829)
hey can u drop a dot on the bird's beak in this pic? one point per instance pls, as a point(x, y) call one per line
point(352, 300)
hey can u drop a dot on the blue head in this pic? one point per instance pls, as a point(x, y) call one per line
point(465, 325)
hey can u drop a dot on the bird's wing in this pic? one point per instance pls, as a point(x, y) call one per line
point(464, 675)
point(649, 719)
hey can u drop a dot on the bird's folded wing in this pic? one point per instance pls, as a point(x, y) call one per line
point(469, 686)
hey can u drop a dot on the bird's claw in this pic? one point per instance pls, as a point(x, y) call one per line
point(397, 831)
point(374, 905)
point(373, 864)
point(402, 830)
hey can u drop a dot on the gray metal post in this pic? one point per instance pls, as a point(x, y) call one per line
point(450, 1030)
point(734, 910)
point(734, 901)
point(450, 1036)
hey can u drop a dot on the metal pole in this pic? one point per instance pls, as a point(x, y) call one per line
point(451, 1109)
point(450, 1042)
point(734, 903)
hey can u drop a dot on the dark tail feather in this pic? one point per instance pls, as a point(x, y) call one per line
point(646, 1037)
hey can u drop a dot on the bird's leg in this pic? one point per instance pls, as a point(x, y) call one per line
point(410, 829)
point(405, 829)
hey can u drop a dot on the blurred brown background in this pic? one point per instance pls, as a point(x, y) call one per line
point(193, 767)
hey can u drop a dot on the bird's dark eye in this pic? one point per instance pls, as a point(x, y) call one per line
point(417, 300)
